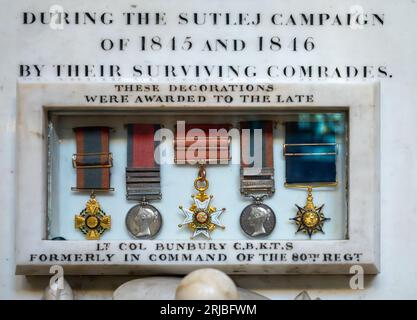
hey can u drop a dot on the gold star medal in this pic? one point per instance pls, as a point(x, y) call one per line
point(310, 219)
point(310, 152)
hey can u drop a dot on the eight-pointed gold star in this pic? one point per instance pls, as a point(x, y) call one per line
point(310, 219)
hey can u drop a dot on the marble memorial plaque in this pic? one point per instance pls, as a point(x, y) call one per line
point(172, 251)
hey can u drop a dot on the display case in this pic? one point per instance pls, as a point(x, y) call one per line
point(112, 181)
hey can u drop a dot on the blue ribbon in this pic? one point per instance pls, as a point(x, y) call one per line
point(310, 152)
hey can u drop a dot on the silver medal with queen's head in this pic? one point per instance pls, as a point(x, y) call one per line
point(257, 220)
point(143, 221)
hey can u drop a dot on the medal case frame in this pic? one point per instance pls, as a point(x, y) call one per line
point(360, 102)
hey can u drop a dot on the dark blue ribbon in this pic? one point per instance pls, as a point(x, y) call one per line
point(310, 152)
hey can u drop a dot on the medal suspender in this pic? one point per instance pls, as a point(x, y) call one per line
point(92, 163)
point(310, 162)
point(143, 180)
point(257, 179)
point(202, 144)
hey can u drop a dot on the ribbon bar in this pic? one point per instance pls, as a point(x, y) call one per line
point(257, 178)
point(310, 151)
point(202, 143)
point(143, 183)
point(143, 177)
point(92, 159)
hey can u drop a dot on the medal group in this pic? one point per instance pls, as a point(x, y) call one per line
point(309, 151)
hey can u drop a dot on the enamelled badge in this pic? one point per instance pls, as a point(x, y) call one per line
point(257, 177)
point(310, 162)
point(92, 163)
point(202, 144)
point(143, 181)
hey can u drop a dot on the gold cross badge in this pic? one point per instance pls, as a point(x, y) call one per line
point(92, 220)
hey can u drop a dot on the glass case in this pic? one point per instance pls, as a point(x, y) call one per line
point(177, 180)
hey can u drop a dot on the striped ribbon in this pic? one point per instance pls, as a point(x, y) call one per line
point(141, 145)
point(257, 158)
point(143, 177)
point(92, 160)
point(209, 143)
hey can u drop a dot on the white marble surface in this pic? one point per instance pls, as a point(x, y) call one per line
point(392, 45)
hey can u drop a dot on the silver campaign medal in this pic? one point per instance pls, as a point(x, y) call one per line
point(143, 221)
point(257, 220)
point(143, 181)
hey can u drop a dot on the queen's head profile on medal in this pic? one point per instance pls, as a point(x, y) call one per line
point(143, 221)
point(257, 220)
